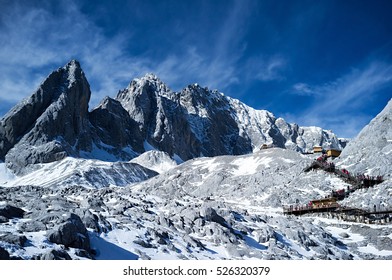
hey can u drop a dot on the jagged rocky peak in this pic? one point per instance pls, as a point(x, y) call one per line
point(50, 124)
point(209, 122)
point(315, 136)
point(142, 97)
point(370, 152)
point(19, 120)
point(149, 83)
point(202, 101)
point(108, 103)
point(75, 91)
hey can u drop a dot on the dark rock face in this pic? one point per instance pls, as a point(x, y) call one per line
point(114, 127)
point(51, 124)
point(71, 233)
point(192, 123)
point(210, 117)
point(19, 240)
point(9, 212)
point(55, 255)
point(21, 118)
point(4, 255)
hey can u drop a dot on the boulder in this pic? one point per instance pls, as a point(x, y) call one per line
point(4, 255)
point(32, 226)
point(19, 240)
point(10, 212)
point(71, 233)
point(55, 255)
point(264, 234)
point(210, 215)
point(344, 235)
point(84, 254)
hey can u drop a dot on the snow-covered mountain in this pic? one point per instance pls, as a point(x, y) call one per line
point(371, 151)
point(54, 122)
point(157, 174)
point(198, 122)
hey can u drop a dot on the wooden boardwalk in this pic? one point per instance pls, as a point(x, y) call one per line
point(345, 213)
point(301, 210)
point(358, 181)
point(330, 206)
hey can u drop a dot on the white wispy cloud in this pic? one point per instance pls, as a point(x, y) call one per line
point(342, 103)
point(303, 89)
point(267, 68)
point(34, 41)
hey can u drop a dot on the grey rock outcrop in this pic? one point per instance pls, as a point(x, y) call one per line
point(9, 211)
point(371, 150)
point(4, 255)
point(71, 233)
point(155, 160)
point(55, 255)
point(49, 125)
point(209, 214)
point(114, 127)
point(19, 240)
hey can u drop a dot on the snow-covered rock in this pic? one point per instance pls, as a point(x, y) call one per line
point(371, 151)
point(131, 225)
point(81, 172)
point(155, 160)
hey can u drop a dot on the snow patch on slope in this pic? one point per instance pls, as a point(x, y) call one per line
point(82, 172)
point(249, 166)
point(155, 160)
point(5, 174)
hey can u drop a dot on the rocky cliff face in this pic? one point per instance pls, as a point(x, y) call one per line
point(115, 131)
point(51, 124)
point(191, 123)
point(199, 122)
point(371, 150)
point(54, 122)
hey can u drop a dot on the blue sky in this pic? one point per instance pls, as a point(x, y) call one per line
point(323, 63)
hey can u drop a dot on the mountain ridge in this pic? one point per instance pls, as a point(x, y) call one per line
point(54, 122)
point(369, 151)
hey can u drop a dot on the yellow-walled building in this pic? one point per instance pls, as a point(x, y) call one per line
point(333, 153)
point(317, 149)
